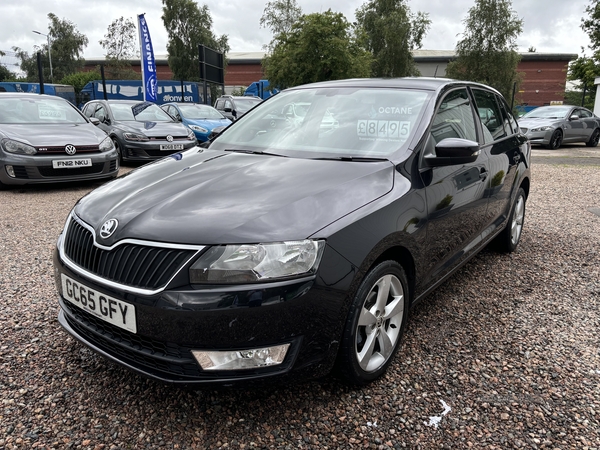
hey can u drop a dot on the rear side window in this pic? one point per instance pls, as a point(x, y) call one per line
point(494, 122)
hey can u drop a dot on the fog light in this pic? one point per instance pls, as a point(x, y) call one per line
point(10, 170)
point(241, 359)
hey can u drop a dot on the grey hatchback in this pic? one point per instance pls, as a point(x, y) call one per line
point(141, 131)
point(45, 139)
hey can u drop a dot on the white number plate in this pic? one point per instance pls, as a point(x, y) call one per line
point(171, 146)
point(107, 308)
point(71, 163)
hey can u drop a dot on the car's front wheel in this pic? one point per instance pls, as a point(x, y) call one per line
point(594, 139)
point(119, 150)
point(375, 324)
point(555, 140)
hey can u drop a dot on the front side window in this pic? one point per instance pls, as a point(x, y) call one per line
point(454, 118)
point(359, 122)
point(100, 113)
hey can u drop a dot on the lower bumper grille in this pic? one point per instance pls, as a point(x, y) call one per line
point(50, 172)
point(161, 358)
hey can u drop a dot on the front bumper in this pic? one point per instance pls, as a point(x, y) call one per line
point(38, 169)
point(150, 151)
point(304, 313)
point(540, 137)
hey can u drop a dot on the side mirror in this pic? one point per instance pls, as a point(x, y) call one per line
point(452, 151)
point(95, 121)
point(574, 117)
point(227, 110)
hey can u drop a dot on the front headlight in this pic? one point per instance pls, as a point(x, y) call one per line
point(18, 147)
point(542, 128)
point(107, 145)
point(198, 129)
point(191, 135)
point(135, 137)
point(251, 263)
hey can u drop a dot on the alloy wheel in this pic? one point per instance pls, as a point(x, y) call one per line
point(379, 323)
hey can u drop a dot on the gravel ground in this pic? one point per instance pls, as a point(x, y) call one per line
point(506, 354)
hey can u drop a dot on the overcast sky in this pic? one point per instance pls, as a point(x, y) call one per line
point(549, 25)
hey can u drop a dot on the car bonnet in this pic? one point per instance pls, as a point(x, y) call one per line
point(213, 197)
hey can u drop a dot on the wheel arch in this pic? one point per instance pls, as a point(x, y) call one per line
point(525, 184)
point(402, 256)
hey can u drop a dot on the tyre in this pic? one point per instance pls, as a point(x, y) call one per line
point(555, 140)
point(594, 138)
point(508, 240)
point(119, 150)
point(375, 324)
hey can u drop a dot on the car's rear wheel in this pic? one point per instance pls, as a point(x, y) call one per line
point(555, 140)
point(375, 324)
point(510, 237)
point(594, 139)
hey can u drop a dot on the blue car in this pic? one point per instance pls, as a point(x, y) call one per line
point(201, 119)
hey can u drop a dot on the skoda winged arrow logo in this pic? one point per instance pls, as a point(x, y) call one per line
point(70, 149)
point(108, 228)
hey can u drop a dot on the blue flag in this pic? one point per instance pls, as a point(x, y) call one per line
point(149, 79)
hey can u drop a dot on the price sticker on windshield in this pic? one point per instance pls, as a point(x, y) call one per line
point(392, 129)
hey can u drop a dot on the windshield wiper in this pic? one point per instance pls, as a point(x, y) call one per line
point(253, 152)
point(352, 158)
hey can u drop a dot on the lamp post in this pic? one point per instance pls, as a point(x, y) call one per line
point(49, 52)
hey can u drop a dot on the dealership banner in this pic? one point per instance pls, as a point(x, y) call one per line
point(148, 64)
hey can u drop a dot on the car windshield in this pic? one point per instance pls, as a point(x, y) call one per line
point(548, 112)
point(341, 121)
point(38, 110)
point(200, 112)
point(244, 104)
point(140, 112)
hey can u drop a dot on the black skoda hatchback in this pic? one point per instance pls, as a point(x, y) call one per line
point(294, 244)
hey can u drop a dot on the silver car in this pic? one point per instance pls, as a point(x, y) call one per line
point(45, 139)
point(141, 131)
point(551, 126)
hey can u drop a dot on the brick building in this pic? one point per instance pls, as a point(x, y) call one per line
point(544, 74)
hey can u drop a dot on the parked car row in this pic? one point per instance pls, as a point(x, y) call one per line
point(293, 242)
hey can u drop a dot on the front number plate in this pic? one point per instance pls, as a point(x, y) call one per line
point(171, 146)
point(71, 163)
point(107, 308)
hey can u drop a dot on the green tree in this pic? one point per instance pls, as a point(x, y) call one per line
point(488, 51)
point(80, 79)
point(583, 71)
point(66, 44)
point(279, 16)
point(319, 47)
point(591, 25)
point(121, 45)
point(188, 25)
point(5, 74)
point(391, 32)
